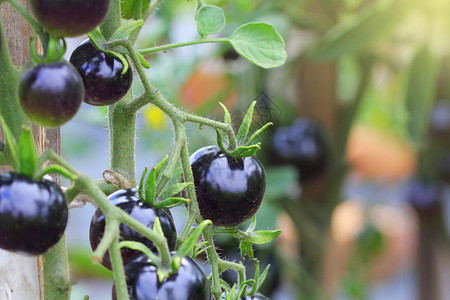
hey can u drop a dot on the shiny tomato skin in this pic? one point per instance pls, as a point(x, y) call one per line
point(33, 214)
point(69, 18)
point(102, 74)
point(188, 283)
point(128, 200)
point(50, 94)
point(229, 191)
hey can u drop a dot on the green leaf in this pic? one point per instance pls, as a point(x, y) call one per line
point(244, 151)
point(246, 248)
point(175, 189)
point(263, 236)
point(258, 132)
point(126, 29)
point(97, 38)
point(243, 288)
point(263, 276)
point(199, 248)
point(141, 184)
point(60, 170)
point(210, 20)
point(157, 227)
point(259, 43)
point(362, 29)
point(190, 242)
point(419, 93)
point(128, 7)
point(227, 117)
point(11, 141)
point(140, 247)
point(143, 61)
point(160, 165)
point(171, 203)
point(252, 225)
point(245, 125)
point(220, 141)
point(150, 188)
point(27, 152)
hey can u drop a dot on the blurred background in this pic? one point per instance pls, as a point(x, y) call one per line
point(358, 159)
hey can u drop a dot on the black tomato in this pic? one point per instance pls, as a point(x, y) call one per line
point(69, 18)
point(33, 214)
point(51, 94)
point(303, 144)
point(229, 191)
point(187, 284)
point(440, 122)
point(102, 74)
point(128, 200)
point(425, 196)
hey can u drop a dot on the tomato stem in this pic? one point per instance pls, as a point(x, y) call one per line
point(181, 44)
point(119, 273)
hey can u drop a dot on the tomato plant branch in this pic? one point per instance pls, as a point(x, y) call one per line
point(182, 44)
point(118, 270)
point(239, 268)
point(180, 140)
point(122, 134)
point(213, 259)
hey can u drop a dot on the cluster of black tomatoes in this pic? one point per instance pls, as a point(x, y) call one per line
point(33, 213)
point(229, 192)
point(51, 91)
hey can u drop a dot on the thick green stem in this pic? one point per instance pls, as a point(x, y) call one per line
point(122, 124)
point(55, 278)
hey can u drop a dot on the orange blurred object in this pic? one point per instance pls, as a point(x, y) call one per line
point(374, 154)
point(207, 83)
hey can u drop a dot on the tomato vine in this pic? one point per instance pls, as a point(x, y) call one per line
point(118, 39)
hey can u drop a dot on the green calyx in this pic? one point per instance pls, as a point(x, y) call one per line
point(24, 155)
point(148, 189)
point(116, 44)
point(246, 149)
point(56, 47)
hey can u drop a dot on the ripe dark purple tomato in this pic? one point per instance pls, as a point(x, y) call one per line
point(303, 144)
point(128, 200)
point(102, 74)
point(187, 284)
point(424, 196)
point(69, 18)
point(33, 214)
point(229, 191)
point(51, 94)
point(440, 122)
